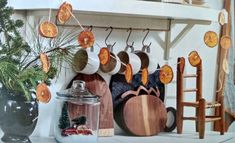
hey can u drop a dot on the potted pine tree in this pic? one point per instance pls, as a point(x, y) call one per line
point(21, 75)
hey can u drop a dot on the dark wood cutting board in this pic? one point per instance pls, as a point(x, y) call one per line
point(97, 86)
point(143, 115)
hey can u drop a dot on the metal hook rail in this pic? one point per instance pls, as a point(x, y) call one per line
point(116, 28)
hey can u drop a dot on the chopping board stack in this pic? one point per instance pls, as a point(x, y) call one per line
point(139, 110)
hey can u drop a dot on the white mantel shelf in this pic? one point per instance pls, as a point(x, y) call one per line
point(125, 8)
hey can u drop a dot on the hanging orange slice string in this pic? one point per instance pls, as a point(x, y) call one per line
point(104, 56)
point(194, 58)
point(166, 74)
point(64, 12)
point(48, 29)
point(86, 39)
point(211, 39)
point(129, 73)
point(145, 76)
point(45, 62)
point(225, 42)
point(43, 93)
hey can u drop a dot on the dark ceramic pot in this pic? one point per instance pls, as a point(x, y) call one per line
point(18, 118)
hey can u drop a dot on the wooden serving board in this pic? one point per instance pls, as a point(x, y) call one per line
point(97, 86)
point(143, 115)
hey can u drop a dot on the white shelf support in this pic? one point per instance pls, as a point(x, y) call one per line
point(172, 43)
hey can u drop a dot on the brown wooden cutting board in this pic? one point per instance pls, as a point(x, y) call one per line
point(143, 115)
point(97, 86)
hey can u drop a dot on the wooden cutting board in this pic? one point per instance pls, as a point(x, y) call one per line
point(97, 86)
point(143, 115)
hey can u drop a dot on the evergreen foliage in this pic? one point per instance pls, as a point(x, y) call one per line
point(20, 70)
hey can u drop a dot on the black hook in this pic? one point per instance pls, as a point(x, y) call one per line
point(130, 29)
point(108, 37)
point(145, 38)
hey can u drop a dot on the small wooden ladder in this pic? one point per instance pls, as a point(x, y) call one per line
point(200, 104)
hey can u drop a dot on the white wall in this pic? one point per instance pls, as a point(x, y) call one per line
point(192, 41)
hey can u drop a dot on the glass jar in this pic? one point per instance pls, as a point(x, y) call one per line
point(77, 115)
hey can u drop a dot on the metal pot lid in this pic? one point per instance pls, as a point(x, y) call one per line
point(78, 92)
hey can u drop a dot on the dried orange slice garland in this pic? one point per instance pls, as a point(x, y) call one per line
point(194, 58)
point(86, 39)
point(166, 74)
point(104, 56)
point(221, 18)
point(145, 76)
point(211, 39)
point(45, 62)
point(129, 73)
point(225, 42)
point(48, 29)
point(225, 66)
point(43, 93)
point(64, 12)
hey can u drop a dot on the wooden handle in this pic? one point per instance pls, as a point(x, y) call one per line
point(142, 88)
point(128, 93)
point(152, 90)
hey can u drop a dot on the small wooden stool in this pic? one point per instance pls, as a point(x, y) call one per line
point(200, 104)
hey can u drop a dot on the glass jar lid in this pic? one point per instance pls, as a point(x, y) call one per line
point(78, 93)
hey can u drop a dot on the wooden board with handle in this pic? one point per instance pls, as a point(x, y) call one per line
point(97, 86)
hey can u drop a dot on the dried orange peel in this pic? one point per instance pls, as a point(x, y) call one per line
point(129, 73)
point(86, 39)
point(104, 56)
point(194, 58)
point(48, 29)
point(43, 93)
point(225, 42)
point(64, 12)
point(45, 62)
point(211, 39)
point(145, 76)
point(166, 74)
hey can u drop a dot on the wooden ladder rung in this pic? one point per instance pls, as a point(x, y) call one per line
point(190, 75)
point(189, 118)
point(190, 90)
point(207, 119)
point(212, 118)
point(213, 105)
point(191, 104)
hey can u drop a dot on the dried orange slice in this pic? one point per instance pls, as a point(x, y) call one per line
point(166, 74)
point(225, 42)
point(86, 39)
point(211, 39)
point(129, 73)
point(45, 62)
point(145, 76)
point(194, 58)
point(64, 12)
point(43, 93)
point(104, 56)
point(48, 29)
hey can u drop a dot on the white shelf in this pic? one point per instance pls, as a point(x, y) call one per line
point(125, 8)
